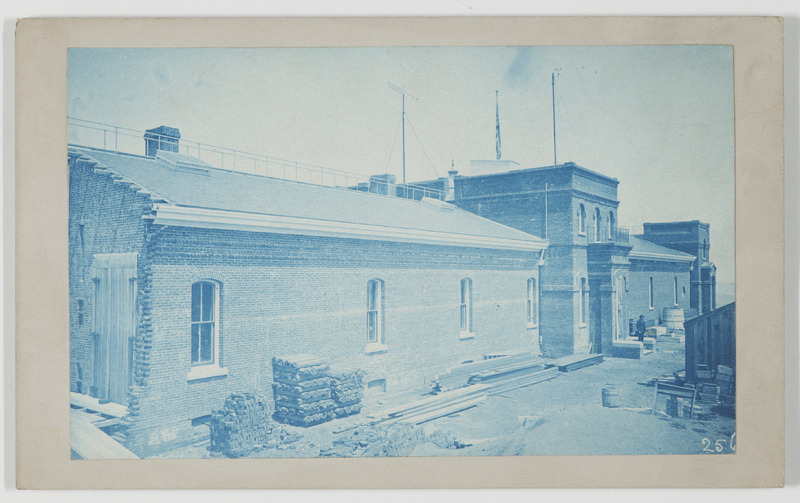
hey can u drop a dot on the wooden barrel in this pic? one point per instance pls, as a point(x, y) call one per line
point(673, 318)
point(610, 397)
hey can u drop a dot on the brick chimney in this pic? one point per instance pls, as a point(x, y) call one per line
point(383, 184)
point(450, 185)
point(161, 138)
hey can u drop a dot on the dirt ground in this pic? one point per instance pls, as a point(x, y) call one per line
point(563, 416)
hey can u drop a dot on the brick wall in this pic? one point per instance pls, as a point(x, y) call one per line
point(663, 274)
point(104, 217)
point(284, 294)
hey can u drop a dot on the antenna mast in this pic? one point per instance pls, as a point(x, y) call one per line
point(553, 84)
point(403, 93)
point(497, 121)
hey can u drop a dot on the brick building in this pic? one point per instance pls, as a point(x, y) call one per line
point(186, 280)
point(596, 276)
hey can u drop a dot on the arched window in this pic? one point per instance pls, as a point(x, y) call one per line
point(611, 225)
point(597, 221)
point(205, 323)
point(650, 293)
point(375, 321)
point(705, 249)
point(582, 220)
point(466, 305)
point(675, 292)
point(532, 307)
point(583, 301)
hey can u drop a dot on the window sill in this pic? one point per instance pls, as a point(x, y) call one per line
point(376, 347)
point(582, 234)
point(465, 336)
point(651, 309)
point(582, 325)
point(533, 326)
point(206, 371)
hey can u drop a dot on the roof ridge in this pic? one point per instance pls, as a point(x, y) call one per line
point(103, 169)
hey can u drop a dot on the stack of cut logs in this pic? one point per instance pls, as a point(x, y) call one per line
point(302, 390)
point(347, 391)
point(241, 425)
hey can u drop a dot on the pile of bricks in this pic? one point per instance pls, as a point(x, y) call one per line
point(397, 439)
point(302, 390)
point(243, 425)
point(347, 391)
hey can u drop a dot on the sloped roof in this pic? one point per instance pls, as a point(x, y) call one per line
point(193, 191)
point(644, 249)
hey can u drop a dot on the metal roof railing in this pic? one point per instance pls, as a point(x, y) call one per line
point(82, 132)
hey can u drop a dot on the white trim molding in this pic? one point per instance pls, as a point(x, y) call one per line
point(661, 256)
point(279, 224)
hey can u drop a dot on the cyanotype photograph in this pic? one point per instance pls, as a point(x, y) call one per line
point(341, 252)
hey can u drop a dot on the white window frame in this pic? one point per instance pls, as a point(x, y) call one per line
point(375, 309)
point(532, 304)
point(465, 309)
point(583, 302)
point(611, 224)
point(597, 224)
point(212, 368)
point(651, 294)
point(675, 292)
point(581, 220)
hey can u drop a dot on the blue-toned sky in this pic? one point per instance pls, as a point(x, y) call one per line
point(658, 118)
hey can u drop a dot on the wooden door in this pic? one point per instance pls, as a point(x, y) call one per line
point(115, 324)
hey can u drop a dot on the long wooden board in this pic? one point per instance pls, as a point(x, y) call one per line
point(574, 362)
point(90, 403)
point(89, 442)
point(433, 400)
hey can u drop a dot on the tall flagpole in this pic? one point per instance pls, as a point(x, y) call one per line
point(403, 92)
point(404, 139)
point(497, 122)
point(553, 84)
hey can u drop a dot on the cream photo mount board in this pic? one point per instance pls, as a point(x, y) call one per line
point(42, 391)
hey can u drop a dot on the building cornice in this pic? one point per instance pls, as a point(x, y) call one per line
point(578, 194)
point(641, 255)
point(182, 216)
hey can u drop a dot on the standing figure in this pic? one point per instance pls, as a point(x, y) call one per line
point(641, 328)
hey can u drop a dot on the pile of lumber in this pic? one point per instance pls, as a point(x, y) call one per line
point(523, 380)
point(434, 407)
point(574, 362)
point(242, 425)
point(346, 391)
point(88, 440)
point(508, 370)
point(302, 390)
point(709, 393)
point(726, 380)
point(505, 373)
point(464, 386)
point(460, 375)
